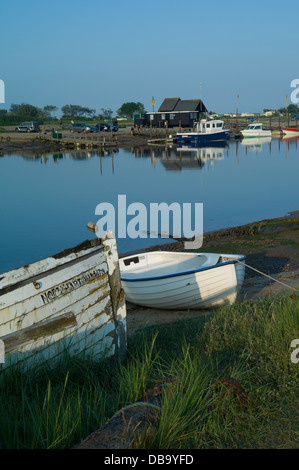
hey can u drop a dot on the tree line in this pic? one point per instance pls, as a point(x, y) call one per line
point(292, 109)
point(28, 112)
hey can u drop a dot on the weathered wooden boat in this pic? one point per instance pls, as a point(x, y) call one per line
point(205, 131)
point(256, 130)
point(70, 302)
point(290, 131)
point(171, 280)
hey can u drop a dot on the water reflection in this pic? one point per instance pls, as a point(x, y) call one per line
point(255, 144)
point(172, 157)
point(47, 207)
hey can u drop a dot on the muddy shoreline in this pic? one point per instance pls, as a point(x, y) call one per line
point(12, 143)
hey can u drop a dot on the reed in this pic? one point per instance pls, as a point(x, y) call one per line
point(205, 360)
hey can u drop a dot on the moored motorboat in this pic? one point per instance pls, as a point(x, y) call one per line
point(205, 131)
point(172, 280)
point(256, 130)
point(290, 131)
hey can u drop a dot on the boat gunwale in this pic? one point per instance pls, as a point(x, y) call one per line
point(183, 273)
point(291, 129)
point(86, 254)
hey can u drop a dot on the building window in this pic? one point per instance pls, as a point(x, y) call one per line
point(163, 117)
point(193, 115)
point(151, 117)
point(171, 116)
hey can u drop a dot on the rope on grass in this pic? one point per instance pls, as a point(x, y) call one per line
point(266, 275)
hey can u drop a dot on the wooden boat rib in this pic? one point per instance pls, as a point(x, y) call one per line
point(172, 280)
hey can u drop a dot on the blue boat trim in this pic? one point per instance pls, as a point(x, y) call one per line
point(183, 273)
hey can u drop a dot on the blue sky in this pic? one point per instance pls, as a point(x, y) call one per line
point(101, 54)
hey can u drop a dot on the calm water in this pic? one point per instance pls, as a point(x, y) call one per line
point(48, 199)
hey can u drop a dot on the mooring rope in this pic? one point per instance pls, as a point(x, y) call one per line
point(267, 275)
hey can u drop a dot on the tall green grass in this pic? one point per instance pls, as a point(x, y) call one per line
point(248, 342)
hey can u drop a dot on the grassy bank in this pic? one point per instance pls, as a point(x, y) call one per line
point(232, 384)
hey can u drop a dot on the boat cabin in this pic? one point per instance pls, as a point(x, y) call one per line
point(254, 127)
point(208, 127)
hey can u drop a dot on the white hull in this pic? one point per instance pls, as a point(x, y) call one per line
point(256, 133)
point(290, 132)
point(204, 287)
point(256, 130)
point(63, 303)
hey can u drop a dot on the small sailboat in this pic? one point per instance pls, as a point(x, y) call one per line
point(179, 280)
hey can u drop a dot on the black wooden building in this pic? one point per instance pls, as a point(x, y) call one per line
point(176, 112)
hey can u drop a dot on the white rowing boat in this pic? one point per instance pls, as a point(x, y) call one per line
point(170, 280)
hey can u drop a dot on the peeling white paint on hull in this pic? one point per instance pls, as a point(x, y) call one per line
point(71, 301)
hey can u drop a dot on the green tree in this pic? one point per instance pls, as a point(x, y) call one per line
point(50, 109)
point(27, 111)
point(72, 110)
point(293, 109)
point(128, 109)
point(107, 113)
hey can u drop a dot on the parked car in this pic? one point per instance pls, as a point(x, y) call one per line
point(28, 126)
point(106, 127)
point(295, 118)
point(82, 127)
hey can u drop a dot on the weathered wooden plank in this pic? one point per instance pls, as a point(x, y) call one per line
point(77, 301)
point(117, 294)
point(15, 313)
point(75, 339)
point(40, 267)
point(70, 301)
point(17, 339)
point(80, 274)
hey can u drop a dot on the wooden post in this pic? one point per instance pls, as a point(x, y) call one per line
point(180, 125)
point(287, 108)
point(99, 128)
point(111, 128)
point(166, 128)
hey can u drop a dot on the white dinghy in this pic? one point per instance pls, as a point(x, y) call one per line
point(171, 280)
